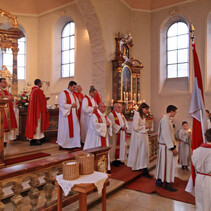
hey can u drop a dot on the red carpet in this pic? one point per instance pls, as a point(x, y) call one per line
point(123, 173)
point(25, 158)
point(148, 186)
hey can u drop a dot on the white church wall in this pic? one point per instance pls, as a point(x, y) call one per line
point(195, 13)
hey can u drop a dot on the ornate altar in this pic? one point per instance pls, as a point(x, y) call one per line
point(9, 39)
point(126, 74)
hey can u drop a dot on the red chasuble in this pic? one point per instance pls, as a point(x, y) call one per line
point(9, 114)
point(103, 139)
point(118, 134)
point(37, 106)
point(80, 97)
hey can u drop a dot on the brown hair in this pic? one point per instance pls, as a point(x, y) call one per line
point(143, 105)
point(208, 135)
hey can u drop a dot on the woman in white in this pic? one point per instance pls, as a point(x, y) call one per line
point(138, 157)
point(208, 119)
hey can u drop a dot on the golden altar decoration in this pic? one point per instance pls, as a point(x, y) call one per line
point(126, 74)
point(9, 39)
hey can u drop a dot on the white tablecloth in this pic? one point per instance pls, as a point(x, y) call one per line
point(98, 178)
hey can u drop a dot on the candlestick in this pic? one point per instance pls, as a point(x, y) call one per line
point(134, 97)
point(124, 96)
point(56, 99)
point(112, 102)
point(133, 102)
point(139, 98)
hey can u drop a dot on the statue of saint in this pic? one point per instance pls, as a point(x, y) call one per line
point(5, 73)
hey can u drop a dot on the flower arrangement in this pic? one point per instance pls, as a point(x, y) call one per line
point(23, 99)
point(149, 116)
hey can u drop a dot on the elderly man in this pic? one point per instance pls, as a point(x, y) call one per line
point(69, 128)
point(37, 120)
point(165, 168)
point(99, 130)
point(10, 123)
point(88, 107)
point(118, 139)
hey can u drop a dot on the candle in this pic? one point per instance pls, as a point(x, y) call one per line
point(112, 102)
point(124, 97)
point(134, 96)
point(139, 98)
point(56, 99)
point(133, 102)
point(189, 130)
point(143, 101)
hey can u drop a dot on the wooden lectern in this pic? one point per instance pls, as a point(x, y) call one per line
point(2, 105)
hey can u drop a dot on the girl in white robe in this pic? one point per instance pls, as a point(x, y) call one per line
point(201, 159)
point(208, 119)
point(184, 146)
point(138, 158)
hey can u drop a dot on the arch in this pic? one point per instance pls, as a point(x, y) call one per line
point(97, 44)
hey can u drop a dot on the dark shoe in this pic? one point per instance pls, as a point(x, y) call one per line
point(109, 171)
point(34, 142)
point(183, 167)
point(5, 144)
point(120, 162)
point(44, 140)
point(168, 187)
point(159, 183)
point(146, 173)
point(115, 163)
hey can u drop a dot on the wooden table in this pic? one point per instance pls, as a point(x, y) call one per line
point(83, 189)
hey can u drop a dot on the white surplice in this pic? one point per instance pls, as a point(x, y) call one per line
point(95, 131)
point(63, 137)
point(138, 157)
point(201, 159)
point(113, 139)
point(184, 148)
point(86, 113)
point(165, 158)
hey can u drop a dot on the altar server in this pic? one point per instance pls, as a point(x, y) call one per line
point(118, 139)
point(184, 146)
point(100, 128)
point(10, 123)
point(88, 107)
point(165, 168)
point(68, 128)
point(208, 119)
point(37, 120)
point(138, 157)
point(201, 159)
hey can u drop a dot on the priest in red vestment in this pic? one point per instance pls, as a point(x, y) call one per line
point(10, 123)
point(37, 116)
point(80, 97)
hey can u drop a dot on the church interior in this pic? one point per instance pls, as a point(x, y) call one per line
point(121, 47)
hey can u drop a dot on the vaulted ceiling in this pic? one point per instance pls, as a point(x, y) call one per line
point(40, 6)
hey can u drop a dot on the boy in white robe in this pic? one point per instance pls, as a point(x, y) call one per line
point(118, 150)
point(165, 168)
point(68, 128)
point(184, 146)
point(100, 128)
point(88, 106)
point(201, 159)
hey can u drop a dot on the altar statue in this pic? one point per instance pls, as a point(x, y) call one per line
point(5, 73)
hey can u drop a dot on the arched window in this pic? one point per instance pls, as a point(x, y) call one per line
point(7, 59)
point(177, 50)
point(68, 50)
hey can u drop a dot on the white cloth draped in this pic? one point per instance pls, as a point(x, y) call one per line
point(86, 113)
point(63, 138)
point(201, 159)
point(98, 178)
point(95, 131)
point(138, 157)
point(113, 139)
point(165, 158)
point(184, 147)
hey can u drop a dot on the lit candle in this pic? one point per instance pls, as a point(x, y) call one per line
point(124, 97)
point(112, 102)
point(134, 97)
point(56, 99)
point(139, 98)
point(143, 101)
point(189, 130)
